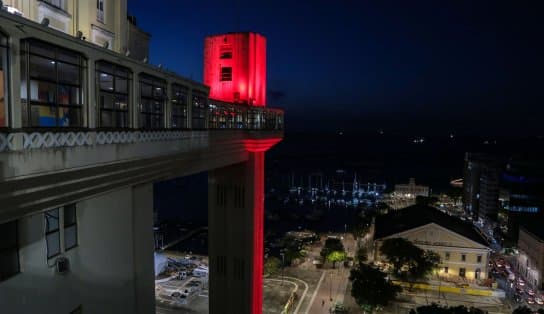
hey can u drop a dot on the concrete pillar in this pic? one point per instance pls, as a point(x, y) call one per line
point(236, 228)
point(143, 248)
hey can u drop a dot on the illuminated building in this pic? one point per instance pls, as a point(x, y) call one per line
point(524, 180)
point(235, 67)
point(411, 190)
point(530, 261)
point(481, 186)
point(463, 251)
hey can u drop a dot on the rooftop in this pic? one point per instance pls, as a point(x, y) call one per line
point(419, 215)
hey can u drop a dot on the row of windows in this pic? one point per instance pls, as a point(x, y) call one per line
point(53, 90)
point(463, 257)
point(60, 234)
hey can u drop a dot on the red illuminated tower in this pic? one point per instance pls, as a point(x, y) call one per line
point(235, 71)
point(235, 67)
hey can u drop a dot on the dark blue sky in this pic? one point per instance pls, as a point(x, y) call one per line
point(465, 66)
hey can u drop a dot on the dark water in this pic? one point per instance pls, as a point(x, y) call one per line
point(375, 158)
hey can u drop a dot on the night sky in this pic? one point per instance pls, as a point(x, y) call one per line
point(471, 67)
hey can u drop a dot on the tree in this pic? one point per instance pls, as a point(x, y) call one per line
point(522, 310)
point(409, 261)
point(399, 252)
point(331, 245)
point(272, 265)
point(336, 256)
point(370, 288)
point(437, 309)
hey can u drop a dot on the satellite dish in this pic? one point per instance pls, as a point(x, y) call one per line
point(79, 35)
point(106, 44)
point(45, 22)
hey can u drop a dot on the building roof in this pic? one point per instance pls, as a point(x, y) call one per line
point(419, 215)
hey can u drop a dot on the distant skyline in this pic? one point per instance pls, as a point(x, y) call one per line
point(361, 65)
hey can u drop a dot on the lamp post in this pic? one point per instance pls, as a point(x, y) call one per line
point(282, 266)
point(330, 293)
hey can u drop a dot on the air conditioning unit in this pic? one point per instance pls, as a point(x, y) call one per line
point(62, 265)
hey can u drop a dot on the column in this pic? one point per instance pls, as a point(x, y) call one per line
point(236, 233)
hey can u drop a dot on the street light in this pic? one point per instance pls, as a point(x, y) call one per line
point(282, 266)
point(330, 293)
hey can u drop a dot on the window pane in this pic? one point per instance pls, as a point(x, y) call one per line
point(121, 102)
point(8, 235)
point(53, 244)
point(105, 67)
point(106, 81)
point(52, 220)
point(42, 49)
point(121, 85)
point(68, 73)
point(42, 68)
point(68, 56)
point(9, 263)
point(70, 237)
point(69, 116)
point(68, 95)
point(70, 214)
point(43, 92)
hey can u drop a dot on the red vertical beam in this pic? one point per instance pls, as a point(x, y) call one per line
point(257, 164)
point(257, 149)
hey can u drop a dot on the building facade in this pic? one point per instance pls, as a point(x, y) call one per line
point(235, 67)
point(524, 179)
point(411, 190)
point(463, 252)
point(530, 261)
point(481, 186)
point(101, 22)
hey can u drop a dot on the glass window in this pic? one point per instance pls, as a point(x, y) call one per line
point(113, 94)
point(447, 256)
point(3, 81)
point(462, 272)
point(152, 101)
point(179, 106)
point(199, 110)
point(463, 257)
point(226, 74)
point(70, 227)
point(51, 85)
point(225, 52)
point(446, 269)
point(56, 3)
point(9, 252)
point(52, 233)
point(100, 10)
point(479, 258)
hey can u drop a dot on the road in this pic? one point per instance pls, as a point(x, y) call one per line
point(332, 286)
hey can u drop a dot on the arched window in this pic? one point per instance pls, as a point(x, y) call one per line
point(3, 80)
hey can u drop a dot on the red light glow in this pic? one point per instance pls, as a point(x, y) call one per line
point(245, 55)
point(258, 236)
point(262, 145)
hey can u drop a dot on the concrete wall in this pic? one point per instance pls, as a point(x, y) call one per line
point(111, 268)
